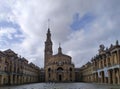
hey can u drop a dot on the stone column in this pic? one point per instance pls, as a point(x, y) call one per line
point(15, 79)
point(11, 79)
point(102, 77)
point(114, 77)
point(96, 77)
point(118, 57)
point(2, 77)
point(105, 79)
point(19, 79)
point(55, 76)
point(99, 79)
point(109, 76)
point(73, 76)
point(93, 77)
point(119, 76)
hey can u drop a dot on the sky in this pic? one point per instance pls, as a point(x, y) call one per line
point(79, 25)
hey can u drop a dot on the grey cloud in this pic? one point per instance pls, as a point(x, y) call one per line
point(83, 44)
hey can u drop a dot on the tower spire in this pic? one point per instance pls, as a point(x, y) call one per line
point(48, 47)
point(48, 32)
point(59, 49)
point(117, 43)
point(48, 35)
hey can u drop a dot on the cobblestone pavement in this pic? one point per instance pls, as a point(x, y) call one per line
point(63, 86)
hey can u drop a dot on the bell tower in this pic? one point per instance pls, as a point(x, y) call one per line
point(48, 48)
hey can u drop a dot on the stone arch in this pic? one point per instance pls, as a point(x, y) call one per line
point(60, 74)
point(60, 69)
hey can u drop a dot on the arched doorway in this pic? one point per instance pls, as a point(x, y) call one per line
point(59, 74)
point(60, 77)
point(49, 74)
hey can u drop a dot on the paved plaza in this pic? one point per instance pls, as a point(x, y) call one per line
point(63, 86)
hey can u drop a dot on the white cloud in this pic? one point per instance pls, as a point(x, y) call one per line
point(82, 44)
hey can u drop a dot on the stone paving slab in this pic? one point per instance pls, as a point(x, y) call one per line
point(63, 86)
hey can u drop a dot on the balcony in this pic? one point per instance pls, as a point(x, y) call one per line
point(114, 66)
point(107, 68)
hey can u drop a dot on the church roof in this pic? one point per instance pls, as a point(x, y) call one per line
point(60, 55)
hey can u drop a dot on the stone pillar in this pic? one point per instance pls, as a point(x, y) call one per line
point(114, 77)
point(109, 76)
point(93, 77)
point(73, 76)
point(55, 76)
point(119, 76)
point(11, 79)
point(105, 80)
point(2, 77)
point(19, 79)
point(118, 57)
point(15, 79)
point(23, 79)
point(97, 77)
point(102, 77)
point(46, 76)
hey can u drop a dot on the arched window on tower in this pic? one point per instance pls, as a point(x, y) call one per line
point(49, 71)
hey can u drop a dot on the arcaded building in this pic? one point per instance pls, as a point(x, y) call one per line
point(16, 70)
point(58, 67)
point(104, 67)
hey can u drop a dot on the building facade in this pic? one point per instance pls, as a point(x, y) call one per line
point(87, 72)
point(16, 70)
point(59, 67)
point(105, 67)
point(78, 76)
point(42, 75)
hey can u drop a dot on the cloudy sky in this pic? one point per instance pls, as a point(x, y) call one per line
point(79, 25)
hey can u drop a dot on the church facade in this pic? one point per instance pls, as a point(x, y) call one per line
point(58, 67)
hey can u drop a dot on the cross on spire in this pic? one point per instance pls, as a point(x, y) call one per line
point(59, 44)
point(48, 23)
